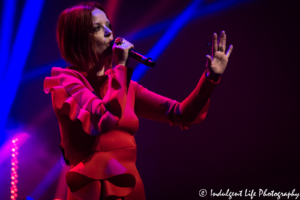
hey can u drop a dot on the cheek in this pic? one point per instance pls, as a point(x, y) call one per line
point(99, 42)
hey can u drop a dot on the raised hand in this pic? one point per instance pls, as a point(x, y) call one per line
point(217, 62)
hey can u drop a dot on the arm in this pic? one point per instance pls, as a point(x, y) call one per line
point(192, 110)
point(72, 95)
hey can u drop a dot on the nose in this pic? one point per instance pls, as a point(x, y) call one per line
point(108, 32)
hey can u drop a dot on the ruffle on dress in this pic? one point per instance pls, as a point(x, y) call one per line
point(73, 95)
point(117, 180)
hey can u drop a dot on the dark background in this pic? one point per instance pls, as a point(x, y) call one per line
point(250, 137)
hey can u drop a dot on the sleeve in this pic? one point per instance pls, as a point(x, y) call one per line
point(72, 95)
point(191, 110)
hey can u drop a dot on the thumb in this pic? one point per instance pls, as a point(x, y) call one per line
point(208, 64)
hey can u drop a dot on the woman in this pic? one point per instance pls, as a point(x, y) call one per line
point(97, 106)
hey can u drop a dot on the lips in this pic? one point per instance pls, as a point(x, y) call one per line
point(111, 42)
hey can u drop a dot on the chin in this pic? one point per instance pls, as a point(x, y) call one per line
point(108, 52)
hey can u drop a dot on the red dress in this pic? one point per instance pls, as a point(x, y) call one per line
point(98, 117)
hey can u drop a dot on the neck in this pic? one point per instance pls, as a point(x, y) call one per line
point(100, 67)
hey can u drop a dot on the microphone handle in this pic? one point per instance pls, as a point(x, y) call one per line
point(140, 58)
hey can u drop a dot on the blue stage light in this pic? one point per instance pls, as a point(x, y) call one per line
point(10, 82)
point(40, 71)
point(166, 39)
point(47, 181)
point(214, 7)
point(8, 14)
point(161, 26)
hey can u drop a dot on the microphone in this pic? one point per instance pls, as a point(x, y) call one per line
point(139, 57)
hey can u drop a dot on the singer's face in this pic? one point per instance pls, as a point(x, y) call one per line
point(102, 33)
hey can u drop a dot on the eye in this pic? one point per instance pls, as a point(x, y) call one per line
point(97, 28)
point(108, 25)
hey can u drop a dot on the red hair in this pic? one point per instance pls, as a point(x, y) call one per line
point(75, 35)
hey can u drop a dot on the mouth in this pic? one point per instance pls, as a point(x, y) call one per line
point(111, 42)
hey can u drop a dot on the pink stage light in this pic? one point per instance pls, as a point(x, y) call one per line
point(6, 148)
point(14, 174)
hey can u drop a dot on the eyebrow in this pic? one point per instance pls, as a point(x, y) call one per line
point(100, 24)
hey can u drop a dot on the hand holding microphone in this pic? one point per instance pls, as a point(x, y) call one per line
point(122, 49)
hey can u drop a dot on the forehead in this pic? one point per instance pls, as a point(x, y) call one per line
point(99, 15)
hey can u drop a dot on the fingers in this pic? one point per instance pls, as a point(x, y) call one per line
point(124, 44)
point(119, 40)
point(121, 51)
point(229, 51)
point(221, 43)
point(215, 43)
point(124, 47)
point(127, 45)
point(208, 57)
point(224, 42)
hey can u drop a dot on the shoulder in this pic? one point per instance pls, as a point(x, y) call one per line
point(64, 77)
point(66, 73)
